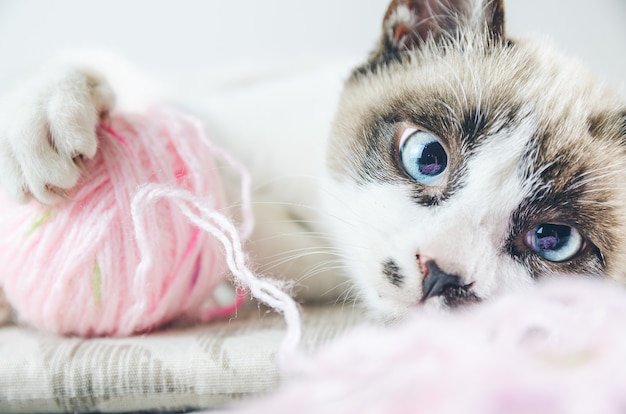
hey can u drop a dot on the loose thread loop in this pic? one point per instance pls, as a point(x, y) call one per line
point(247, 224)
point(200, 213)
point(221, 228)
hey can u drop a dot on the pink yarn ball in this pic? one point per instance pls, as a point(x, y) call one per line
point(76, 267)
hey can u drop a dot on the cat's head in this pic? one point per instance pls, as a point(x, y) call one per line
point(463, 163)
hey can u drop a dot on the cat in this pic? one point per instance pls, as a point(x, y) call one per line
point(464, 163)
point(460, 164)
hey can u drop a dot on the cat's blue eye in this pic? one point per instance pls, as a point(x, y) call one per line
point(423, 157)
point(555, 242)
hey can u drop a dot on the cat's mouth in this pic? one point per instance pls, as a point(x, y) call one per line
point(455, 296)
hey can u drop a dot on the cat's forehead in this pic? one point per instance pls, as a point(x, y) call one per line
point(470, 93)
point(525, 74)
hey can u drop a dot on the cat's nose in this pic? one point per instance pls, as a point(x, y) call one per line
point(435, 281)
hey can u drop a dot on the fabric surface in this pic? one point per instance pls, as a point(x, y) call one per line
point(201, 366)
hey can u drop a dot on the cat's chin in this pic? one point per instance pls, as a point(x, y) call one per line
point(388, 313)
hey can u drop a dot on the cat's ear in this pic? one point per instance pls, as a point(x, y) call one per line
point(408, 24)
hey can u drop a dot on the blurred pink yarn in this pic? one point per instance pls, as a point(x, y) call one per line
point(558, 349)
point(140, 243)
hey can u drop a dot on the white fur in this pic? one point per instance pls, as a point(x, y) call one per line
point(379, 221)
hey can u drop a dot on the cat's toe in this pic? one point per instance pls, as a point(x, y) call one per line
point(47, 132)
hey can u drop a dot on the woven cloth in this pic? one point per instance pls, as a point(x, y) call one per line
point(177, 368)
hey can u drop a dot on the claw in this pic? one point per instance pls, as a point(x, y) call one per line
point(80, 164)
point(26, 191)
point(58, 191)
point(105, 119)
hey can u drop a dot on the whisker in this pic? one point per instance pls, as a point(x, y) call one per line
point(292, 257)
point(601, 190)
point(590, 180)
point(304, 252)
point(319, 269)
point(311, 236)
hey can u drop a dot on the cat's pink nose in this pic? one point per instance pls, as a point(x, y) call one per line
point(421, 262)
point(434, 280)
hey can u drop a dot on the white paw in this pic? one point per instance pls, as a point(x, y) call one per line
point(46, 128)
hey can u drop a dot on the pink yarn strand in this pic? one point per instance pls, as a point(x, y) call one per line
point(247, 225)
point(220, 227)
point(114, 134)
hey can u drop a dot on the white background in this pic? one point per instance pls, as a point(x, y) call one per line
point(183, 35)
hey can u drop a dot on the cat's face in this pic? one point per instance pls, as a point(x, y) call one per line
point(463, 164)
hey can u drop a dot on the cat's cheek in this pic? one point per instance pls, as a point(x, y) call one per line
point(500, 274)
point(370, 226)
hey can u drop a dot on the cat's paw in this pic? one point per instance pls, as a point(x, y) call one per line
point(47, 127)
